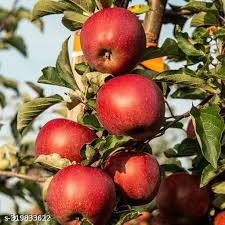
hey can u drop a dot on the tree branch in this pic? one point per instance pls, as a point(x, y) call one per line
point(22, 176)
point(153, 20)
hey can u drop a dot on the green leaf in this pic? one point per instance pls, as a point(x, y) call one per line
point(188, 93)
point(219, 187)
point(169, 48)
point(18, 43)
point(2, 99)
point(30, 110)
point(199, 6)
point(171, 168)
point(81, 68)
point(36, 88)
point(85, 222)
point(51, 76)
point(48, 7)
point(91, 121)
point(52, 162)
point(186, 46)
point(205, 19)
point(126, 215)
point(111, 143)
point(63, 67)
point(9, 83)
point(220, 33)
point(209, 173)
point(139, 9)
point(219, 202)
point(187, 147)
point(186, 77)
point(73, 20)
point(87, 6)
point(147, 73)
point(209, 126)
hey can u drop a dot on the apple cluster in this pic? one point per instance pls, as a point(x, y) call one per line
point(113, 41)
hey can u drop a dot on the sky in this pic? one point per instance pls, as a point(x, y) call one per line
point(43, 49)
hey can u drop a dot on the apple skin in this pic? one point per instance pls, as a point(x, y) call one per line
point(113, 40)
point(78, 190)
point(64, 137)
point(136, 175)
point(220, 219)
point(131, 105)
point(191, 130)
point(180, 196)
point(165, 220)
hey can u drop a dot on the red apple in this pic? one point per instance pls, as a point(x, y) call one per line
point(137, 176)
point(113, 40)
point(220, 218)
point(131, 105)
point(168, 220)
point(77, 192)
point(191, 130)
point(179, 195)
point(64, 137)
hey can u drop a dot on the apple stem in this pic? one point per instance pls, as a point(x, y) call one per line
point(22, 176)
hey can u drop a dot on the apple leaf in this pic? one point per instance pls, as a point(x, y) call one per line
point(209, 127)
point(188, 93)
point(125, 216)
point(17, 42)
point(199, 6)
point(51, 76)
point(169, 48)
point(87, 6)
point(187, 147)
point(50, 221)
point(30, 110)
point(188, 78)
point(91, 121)
point(48, 7)
point(85, 222)
point(62, 74)
point(205, 19)
point(209, 173)
point(111, 143)
point(2, 99)
point(9, 83)
point(36, 88)
point(52, 162)
point(219, 201)
point(73, 20)
point(171, 168)
point(219, 188)
point(82, 68)
point(64, 68)
point(139, 9)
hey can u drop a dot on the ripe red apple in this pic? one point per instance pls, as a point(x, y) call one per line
point(220, 219)
point(113, 40)
point(77, 192)
point(137, 176)
point(64, 137)
point(131, 105)
point(179, 195)
point(191, 130)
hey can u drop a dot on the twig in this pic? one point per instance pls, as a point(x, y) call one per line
point(22, 176)
point(170, 109)
point(153, 20)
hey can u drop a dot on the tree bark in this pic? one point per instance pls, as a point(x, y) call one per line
point(153, 20)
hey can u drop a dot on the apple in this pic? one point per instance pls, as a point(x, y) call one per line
point(136, 175)
point(78, 192)
point(220, 219)
point(131, 105)
point(113, 40)
point(191, 130)
point(180, 196)
point(64, 137)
